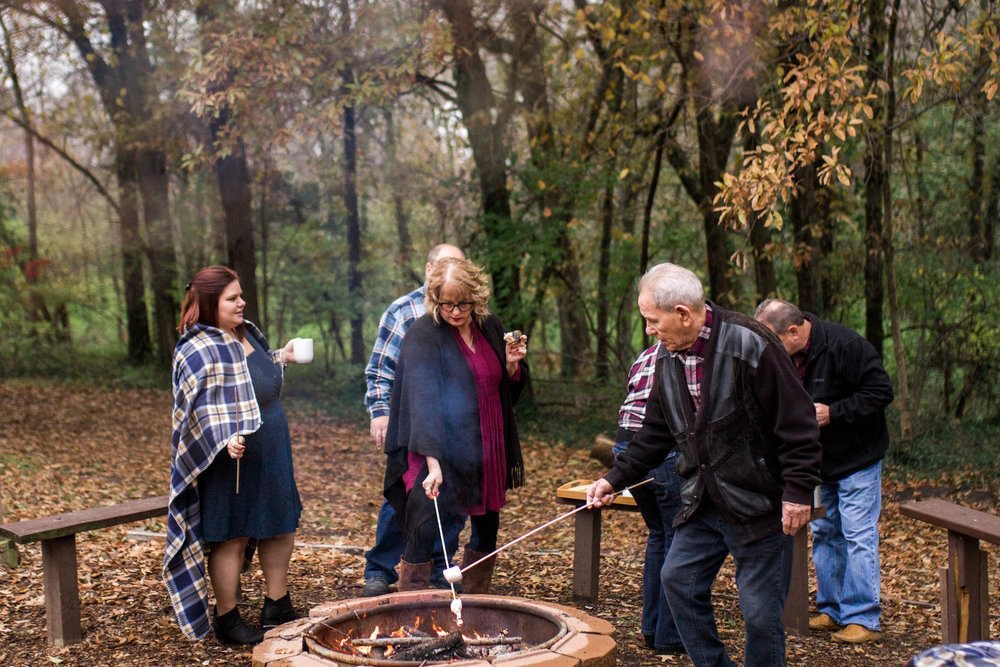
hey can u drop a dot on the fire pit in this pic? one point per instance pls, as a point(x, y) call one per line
point(502, 631)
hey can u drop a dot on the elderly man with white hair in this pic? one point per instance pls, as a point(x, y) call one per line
point(727, 397)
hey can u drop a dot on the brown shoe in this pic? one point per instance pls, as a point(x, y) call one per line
point(477, 580)
point(856, 634)
point(823, 622)
point(414, 576)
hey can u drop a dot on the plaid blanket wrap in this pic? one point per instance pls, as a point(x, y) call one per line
point(213, 400)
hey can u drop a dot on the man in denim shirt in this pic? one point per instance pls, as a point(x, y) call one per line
point(381, 560)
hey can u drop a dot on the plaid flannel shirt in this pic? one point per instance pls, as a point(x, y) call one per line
point(640, 384)
point(694, 357)
point(213, 401)
point(381, 369)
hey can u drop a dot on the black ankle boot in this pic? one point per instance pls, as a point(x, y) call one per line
point(230, 628)
point(277, 612)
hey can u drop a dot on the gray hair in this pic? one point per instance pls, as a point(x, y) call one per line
point(669, 285)
point(779, 314)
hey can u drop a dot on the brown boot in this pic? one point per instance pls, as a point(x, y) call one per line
point(414, 576)
point(477, 580)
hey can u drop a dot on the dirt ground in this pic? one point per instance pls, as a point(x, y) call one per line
point(70, 447)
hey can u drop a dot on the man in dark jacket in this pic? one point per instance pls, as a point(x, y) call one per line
point(726, 396)
point(844, 375)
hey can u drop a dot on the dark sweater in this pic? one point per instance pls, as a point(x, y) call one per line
point(754, 440)
point(844, 371)
point(433, 411)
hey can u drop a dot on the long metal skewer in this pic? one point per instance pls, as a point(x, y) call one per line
point(546, 525)
point(236, 395)
point(444, 548)
point(456, 604)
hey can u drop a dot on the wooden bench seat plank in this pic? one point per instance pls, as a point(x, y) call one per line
point(70, 523)
point(59, 566)
point(957, 518)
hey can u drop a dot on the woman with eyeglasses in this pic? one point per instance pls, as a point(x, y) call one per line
point(452, 439)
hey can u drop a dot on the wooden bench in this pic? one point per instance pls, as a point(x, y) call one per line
point(58, 537)
point(965, 598)
point(587, 554)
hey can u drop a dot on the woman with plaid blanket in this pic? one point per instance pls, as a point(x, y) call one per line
point(226, 411)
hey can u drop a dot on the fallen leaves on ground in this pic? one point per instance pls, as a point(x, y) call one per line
point(65, 448)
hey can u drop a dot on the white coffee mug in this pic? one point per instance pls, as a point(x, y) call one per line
point(302, 350)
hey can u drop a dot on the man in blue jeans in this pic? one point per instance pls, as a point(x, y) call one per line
point(658, 502)
point(382, 559)
point(844, 376)
point(726, 396)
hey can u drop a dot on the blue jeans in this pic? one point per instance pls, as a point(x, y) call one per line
point(658, 502)
point(381, 560)
point(763, 572)
point(845, 549)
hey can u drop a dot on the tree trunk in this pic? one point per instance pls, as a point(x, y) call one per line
point(603, 271)
point(761, 242)
point(556, 203)
point(804, 216)
point(474, 96)
point(715, 139)
point(353, 230)
point(902, 376)
point(124, 81)
point(991, 214)
point(136, 317)
point(232, 175)
point(404, 248)
point(876, 178)
point(154, 186)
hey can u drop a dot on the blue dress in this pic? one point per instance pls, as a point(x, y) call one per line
point(268, 502)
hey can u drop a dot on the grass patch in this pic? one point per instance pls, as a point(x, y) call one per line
point(965, 453)
point(65, 364)
point(24, 465)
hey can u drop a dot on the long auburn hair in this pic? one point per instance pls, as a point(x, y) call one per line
point(201, 303)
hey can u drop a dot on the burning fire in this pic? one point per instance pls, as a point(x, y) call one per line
point(402, 640)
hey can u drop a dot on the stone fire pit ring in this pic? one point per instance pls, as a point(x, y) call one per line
point(577, 639)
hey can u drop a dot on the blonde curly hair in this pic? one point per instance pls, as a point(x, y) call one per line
point(469, 279)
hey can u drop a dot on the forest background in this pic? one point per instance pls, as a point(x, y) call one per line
point(842, 155)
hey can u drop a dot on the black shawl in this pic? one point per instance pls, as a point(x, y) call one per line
point(433, 411)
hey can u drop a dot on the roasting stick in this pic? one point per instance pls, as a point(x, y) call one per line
point(237, 433)
point(450, 572)
point(236, 395)
point(456, 604)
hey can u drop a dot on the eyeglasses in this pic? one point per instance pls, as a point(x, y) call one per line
point(461, 306)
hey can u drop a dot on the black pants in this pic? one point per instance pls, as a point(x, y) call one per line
point(421, 527)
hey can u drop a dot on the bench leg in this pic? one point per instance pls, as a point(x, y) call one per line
point(587, 554)
point(965, 560)
point(796, 614)
point(949, 622)
point(62, 595)
point(8, 554)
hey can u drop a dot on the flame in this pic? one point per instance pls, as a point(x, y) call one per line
point(389, 650)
